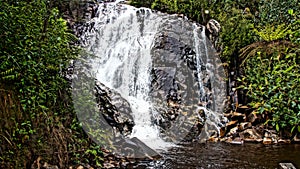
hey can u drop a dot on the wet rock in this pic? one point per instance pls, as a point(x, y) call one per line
point(286, 166)
point(267, 141)
point(233, 131)
point(78, 14)
point(237, 141)
point(296, 138)
point(231, 124)
point(175, 62)
point(284, 141)
point(251, 135)
point(238, 116)
point(115, 109)
point(244, 126)
point(254, 118)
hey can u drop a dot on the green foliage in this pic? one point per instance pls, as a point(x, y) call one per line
point(277, 12)
point(272, 85)
point(236, 33)
point(37, 48)
point(295, 31)
point(270, 38)
point(35, 100)
point(271, 76)
point(8, 75)
point(270, 33)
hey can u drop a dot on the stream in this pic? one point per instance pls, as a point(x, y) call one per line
point(224, 156)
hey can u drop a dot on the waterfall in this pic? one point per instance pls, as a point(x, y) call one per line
point(213, 112)
point(123, 62)
point(131, 47)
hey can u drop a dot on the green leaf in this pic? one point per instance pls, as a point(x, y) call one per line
point(288, 69)
point(293, 129)
point(291, 11)
point(277, 127)
point(261, 110)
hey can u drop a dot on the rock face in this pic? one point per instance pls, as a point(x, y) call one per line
point(181, 81)
point(77, 13)
point(115, 109)
point(174, 63)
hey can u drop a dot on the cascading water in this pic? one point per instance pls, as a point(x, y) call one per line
point(214, 100)
point(124, 62)
point(156, 63)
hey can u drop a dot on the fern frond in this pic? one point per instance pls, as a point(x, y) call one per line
point(265, 47)
point(270, 33)
point(8, 74)
point(71, 37)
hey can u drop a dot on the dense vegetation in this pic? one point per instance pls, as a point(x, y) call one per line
point(259, 41)
point(37, 120)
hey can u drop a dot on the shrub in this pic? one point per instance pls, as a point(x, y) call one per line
point(272, 85)
point(271, 76)
point(37, 117)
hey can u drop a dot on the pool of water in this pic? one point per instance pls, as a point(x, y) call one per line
point(223, 155)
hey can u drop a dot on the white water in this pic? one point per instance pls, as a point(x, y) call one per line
point(123, 62)
point(213, 116)
point(121, 43)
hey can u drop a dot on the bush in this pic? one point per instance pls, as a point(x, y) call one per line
point(272, 85)
point(272, 71)
point(37, 117)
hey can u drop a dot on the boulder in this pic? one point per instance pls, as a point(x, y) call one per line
point(222, 131)
point(272, 134)
point(134, 149)
point(251, 135)
point(213, 139)
point(115, 109)
point(233, 131)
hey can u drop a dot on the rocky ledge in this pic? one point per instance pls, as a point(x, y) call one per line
point(247, 126)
